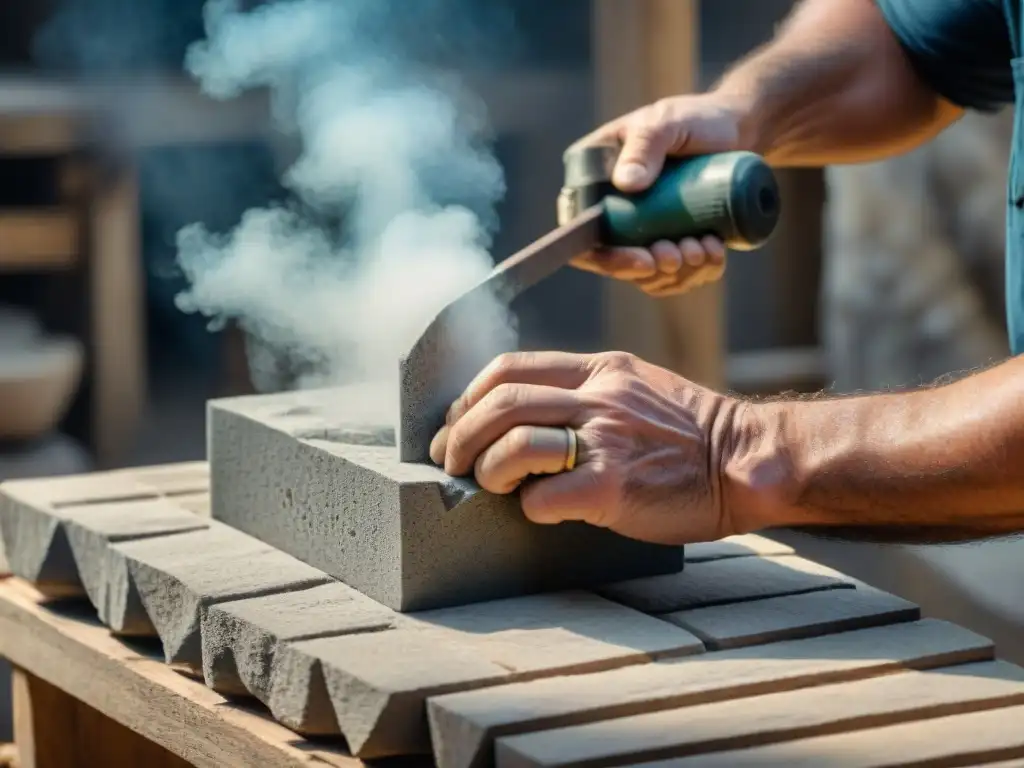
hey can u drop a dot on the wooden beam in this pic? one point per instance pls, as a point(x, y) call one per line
point(38, 239)
point(644, 51)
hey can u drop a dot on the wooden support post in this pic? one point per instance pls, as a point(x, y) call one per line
point(55, 730)
point(644, 51)
point(117, 313)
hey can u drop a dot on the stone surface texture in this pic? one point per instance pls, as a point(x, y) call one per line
point(286, 471)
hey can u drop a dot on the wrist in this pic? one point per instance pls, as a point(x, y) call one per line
point(760, 477)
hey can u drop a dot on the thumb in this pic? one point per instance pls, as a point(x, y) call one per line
point(644, 148)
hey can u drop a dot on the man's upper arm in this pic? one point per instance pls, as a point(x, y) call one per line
point(961, 48)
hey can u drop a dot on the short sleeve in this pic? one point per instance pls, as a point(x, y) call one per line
point(961, 48)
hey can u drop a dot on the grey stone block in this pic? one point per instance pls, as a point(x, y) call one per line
point(178, 578)
point(300, 472)
point(34, 518)
point(92, 530)
point(378, 684)
point(241, 638)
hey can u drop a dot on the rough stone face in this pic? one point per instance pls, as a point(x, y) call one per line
point(241, 638)
point(298, 471)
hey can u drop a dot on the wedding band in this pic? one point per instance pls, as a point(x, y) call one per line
point(570, 457)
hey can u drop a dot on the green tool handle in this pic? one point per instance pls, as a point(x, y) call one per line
point(731, 195)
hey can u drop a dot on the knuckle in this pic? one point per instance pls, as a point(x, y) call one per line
point(518, 441)
point(503, 398)
point(618, 361)
point(503, 364)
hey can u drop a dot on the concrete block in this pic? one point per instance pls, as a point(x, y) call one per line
point(299, 471)
point(378, 683)
point(729, 580)
point(241, 638)
point(177, 578)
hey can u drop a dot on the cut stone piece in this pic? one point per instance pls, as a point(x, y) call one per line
point(241, 638)
point(406, 535)
point(464, 725)
point(92, 529)
point(758, 622)
point(379, 683)
point(36, 544)
point(720, 582)
point(749, 722)
point(973, 739)
point(41, 552)
point(746, 545)
point(179, 577)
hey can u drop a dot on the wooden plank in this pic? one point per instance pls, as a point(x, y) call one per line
point(730, 725)
point(971, 739)
point(38, 239)
point(463, 725)
point(55, 730)
point(81, 658)
point(722, 582)
point(794, 616)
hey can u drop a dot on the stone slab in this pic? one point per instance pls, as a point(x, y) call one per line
point(969, 740)
point(791, 617)
point(379, 683)
point(36, 530)
point(464, 725)
point(91, 530)
point(721, 582)
point(744, 723)
point(746, 545)
point(177, 578)
point(287, 470)
point(241, 638)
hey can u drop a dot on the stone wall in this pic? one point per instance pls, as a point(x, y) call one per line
point(913, 276)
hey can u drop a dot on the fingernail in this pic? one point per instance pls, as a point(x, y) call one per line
point(630, 174)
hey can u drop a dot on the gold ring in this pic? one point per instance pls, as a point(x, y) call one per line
point(570, 457)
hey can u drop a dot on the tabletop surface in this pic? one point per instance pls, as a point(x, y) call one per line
point(751, 656)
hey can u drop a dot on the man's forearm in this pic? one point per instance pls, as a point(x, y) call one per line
point(834, 86)
point(948, 458)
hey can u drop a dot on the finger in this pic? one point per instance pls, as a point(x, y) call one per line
point(502, 409)
point(645, 144)
point(667, 256)
point(693, 252)
point(519, 453)
point(552, 369)
point(714, 248)
point(577, 495)
point(621, 263)
point(659, 283)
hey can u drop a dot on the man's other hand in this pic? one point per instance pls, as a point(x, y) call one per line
point(652, 447)
point(684, 125)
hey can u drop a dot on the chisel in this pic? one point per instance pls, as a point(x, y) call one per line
point(732, 195)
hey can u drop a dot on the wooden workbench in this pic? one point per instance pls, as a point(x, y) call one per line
point(796, 665)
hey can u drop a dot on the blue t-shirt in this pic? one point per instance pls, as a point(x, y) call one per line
point(969, 52)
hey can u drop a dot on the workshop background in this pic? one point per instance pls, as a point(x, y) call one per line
point(880, 276)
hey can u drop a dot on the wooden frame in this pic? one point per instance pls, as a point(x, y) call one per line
point(645, 50)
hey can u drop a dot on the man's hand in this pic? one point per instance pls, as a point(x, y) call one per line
point(685, 125)
point(651, 445)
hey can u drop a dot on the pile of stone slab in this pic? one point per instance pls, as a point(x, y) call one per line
point(409, 614)
point(457, 682)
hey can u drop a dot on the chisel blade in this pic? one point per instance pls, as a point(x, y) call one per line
point(444, 360)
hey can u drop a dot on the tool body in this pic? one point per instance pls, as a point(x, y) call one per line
point(732, 195)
